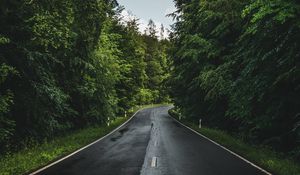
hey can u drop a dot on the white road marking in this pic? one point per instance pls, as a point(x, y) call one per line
point(155, 143)
point(235, 154)
point(154, 162)
point(75, 152)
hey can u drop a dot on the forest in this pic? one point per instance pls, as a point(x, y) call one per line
point(236, 65)
point(66, 65)
point(69, 64)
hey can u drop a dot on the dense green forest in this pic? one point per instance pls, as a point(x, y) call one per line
point(236, 66)
point(68, 64)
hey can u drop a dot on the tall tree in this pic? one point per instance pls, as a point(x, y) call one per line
point(239, 62)
point(162, 32)
point(151, 29)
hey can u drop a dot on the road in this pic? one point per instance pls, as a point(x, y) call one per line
point(152, 143)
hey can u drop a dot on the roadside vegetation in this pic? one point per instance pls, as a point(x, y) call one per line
point(262, 156)
point(36, 155)
point(236, 67)
point(67, 66)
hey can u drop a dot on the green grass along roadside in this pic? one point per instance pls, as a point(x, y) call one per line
point(261, 156)
point(32, 158)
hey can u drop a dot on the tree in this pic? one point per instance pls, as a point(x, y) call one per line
point(151, 29)
point(238, 60)
point(67, 65)
point(49, 47)
point(162, 32)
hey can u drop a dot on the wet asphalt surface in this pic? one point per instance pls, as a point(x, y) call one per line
point(152, 143)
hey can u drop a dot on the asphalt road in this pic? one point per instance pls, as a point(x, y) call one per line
point(152, 143)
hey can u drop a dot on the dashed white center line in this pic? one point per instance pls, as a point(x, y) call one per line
point(154, 162)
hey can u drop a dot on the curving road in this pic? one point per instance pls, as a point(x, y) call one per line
point(152, 143)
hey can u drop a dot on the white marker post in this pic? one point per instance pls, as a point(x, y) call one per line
point(154, 162)
point(200, 123)
point(125, 114)
point(108, 121)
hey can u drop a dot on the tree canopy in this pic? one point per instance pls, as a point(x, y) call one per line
point(65, 65)
point(68, 64)
point(236, 66)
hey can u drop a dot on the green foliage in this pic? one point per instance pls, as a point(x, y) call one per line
point(132, 64)
point(147, 96)
point(105, 73)
point(260, 155)
point(7, 125)
point(67, 65)
point(157, 68)
point(236, 66)
point(39, 155)
point(141, 61)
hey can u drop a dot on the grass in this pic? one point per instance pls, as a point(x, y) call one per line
point(149, 106)
point(264, 157)
point(34, 157)
point(37, 156)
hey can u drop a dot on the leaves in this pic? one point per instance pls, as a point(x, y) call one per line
point(237, 64)
point(65, 65)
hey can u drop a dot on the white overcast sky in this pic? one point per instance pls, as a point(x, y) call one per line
point(149, 9)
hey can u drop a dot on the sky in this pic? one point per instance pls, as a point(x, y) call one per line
point(149, 9)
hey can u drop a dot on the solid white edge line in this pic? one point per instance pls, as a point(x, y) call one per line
point(235, 154)
point(75, 152)
point(154, 162)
